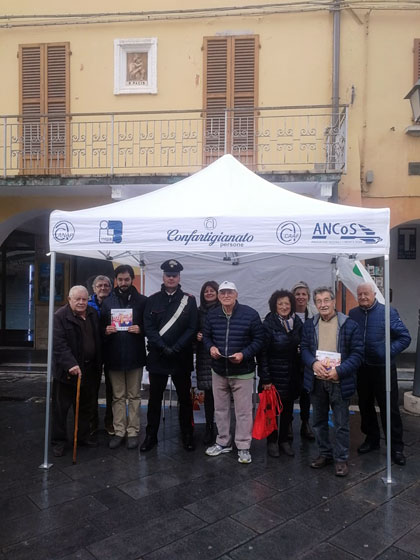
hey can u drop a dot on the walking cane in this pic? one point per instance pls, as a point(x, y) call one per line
point(76, 418)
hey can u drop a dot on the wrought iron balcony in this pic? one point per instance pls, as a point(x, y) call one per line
point(275, 139)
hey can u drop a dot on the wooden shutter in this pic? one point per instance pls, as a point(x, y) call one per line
point(44, 87)
point(416, 60)
point(230, 82)
point(30, 60)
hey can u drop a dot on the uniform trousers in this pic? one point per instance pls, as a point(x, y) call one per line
point(158, 382)
point(371, 386)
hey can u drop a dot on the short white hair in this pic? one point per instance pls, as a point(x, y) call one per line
point(75, 289)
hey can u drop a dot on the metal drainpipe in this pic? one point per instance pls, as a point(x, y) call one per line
point(335, 101)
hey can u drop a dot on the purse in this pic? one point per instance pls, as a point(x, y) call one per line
point(270, 406)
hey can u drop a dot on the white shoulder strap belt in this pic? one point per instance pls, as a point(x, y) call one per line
point(174, 317)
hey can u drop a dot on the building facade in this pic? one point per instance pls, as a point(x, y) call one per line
point(103, 104)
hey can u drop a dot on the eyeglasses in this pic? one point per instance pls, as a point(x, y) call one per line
point(322, 301)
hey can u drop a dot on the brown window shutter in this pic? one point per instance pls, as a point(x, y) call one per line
point(230, 82)
point(245, 53)
point(416, 60)
point(215, 95)
point(57, 102)
point(30, 66)
point(44, 88)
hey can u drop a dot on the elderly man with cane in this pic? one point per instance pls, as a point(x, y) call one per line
point(76, 354)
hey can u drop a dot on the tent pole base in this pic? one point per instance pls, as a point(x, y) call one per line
point(387, 480)
point(45, 466)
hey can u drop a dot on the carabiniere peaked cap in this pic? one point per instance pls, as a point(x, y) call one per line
point(171, 265)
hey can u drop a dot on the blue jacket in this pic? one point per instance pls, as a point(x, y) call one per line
point(349, 344)
point(372, 325)
point(242, 332)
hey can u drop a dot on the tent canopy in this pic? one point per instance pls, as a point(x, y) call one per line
point(222, 208)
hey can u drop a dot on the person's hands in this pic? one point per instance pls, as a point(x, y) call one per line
point(75, 370)
point(214, 353)
point(236, 358)
point(332, 375)
point(135, 329)
point(168, 351)
point(110, 329)
point(319, 370)
point(266, 386)
point(199, 336)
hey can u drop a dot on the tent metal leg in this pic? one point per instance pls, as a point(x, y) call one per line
point(388, 479)
point(46, 465)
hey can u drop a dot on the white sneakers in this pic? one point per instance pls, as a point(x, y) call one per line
point(244, 456)
point(217, 449)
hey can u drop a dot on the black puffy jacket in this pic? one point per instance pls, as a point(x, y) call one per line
point(159, 309)
point(203, 358)
point(241, 332)
point(280, 359)
point(124, 350)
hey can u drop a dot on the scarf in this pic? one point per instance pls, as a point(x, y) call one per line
point(287, 323)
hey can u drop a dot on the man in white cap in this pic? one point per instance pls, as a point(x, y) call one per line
point(233, 334)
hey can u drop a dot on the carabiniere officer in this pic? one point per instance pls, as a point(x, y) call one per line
point(170, 323)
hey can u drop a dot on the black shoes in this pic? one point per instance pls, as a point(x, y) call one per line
point(286, 448)
point(188, 442)
point(321, 462)
point(58, 450)
point(115, 442)
point(306, 431)
point(399, 458)
point(273, 449)
point(132, 442)
point(367, 446)
point(149, 443)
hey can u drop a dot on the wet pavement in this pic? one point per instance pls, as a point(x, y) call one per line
point(172, 504)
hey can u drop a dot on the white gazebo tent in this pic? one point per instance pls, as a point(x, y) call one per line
point(224, 208)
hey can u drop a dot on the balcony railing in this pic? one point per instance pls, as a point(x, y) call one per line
point(276, 139)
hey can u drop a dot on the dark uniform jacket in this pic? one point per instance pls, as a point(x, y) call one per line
point(160, 308)
point(349, 344)
point(372, 324)
point(124, 350)
point(68, 346)
point(242, 332)
point(280, 361)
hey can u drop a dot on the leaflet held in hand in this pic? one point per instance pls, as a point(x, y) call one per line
point(121, 318)
point(328, 359)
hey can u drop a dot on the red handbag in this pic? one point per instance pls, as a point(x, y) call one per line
point(269, 407)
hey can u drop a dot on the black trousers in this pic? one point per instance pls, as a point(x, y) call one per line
point(209, 405)
point(64, 398)
point(286, 416)
point(182, 382)
point(305, 405)
point(94, 423)
point(371, 387)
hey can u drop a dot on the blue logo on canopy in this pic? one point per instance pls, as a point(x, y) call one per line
point(110, 231)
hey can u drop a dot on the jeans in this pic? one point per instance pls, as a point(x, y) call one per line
point(324, 395)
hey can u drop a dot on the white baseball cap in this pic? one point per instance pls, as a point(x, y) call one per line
point(226, 285)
